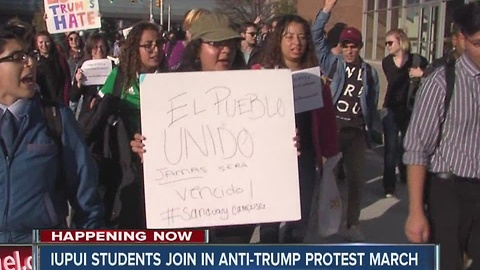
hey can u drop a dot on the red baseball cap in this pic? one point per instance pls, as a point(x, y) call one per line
point(351, 34)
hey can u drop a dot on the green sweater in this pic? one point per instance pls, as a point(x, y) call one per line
point(130, 104)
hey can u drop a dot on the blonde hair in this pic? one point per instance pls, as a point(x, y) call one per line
point(191, 16)
point(402, 38)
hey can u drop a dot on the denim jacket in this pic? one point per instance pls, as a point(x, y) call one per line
point(29, 175)
point(369, 98)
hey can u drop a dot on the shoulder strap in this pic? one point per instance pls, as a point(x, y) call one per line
point(450, 82)
point(369, 75)
point(54, 130)
point(118, 84)
point(54, 120)
point(332, 71)
point(450, 86)
point(414, 82)
point(417, 60)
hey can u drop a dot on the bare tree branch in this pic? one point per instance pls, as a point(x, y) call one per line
point(247, 10)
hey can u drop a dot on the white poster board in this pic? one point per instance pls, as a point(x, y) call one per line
point(307, 88)
point(96, 71)
point(71, 15)
point(219, 150)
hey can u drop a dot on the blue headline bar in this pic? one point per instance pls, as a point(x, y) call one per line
point(244, 256)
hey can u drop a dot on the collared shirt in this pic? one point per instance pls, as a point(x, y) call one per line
point(18, 108)
point(459, 148)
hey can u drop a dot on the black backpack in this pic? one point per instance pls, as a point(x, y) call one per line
point(415, 84)
point(108, 139)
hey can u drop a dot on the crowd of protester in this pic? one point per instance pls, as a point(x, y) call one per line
point(87, 164)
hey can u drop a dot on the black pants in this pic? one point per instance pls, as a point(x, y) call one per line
point(454, 214)
point(353, 146)
point(295, 230)
point(394, 129)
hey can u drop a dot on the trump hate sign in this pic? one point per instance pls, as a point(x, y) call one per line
point(71, 15)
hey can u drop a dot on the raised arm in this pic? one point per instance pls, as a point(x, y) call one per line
point(322, 50)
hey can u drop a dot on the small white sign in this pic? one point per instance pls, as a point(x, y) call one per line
point(307, 89)
point(96, 71)
point(126, 31)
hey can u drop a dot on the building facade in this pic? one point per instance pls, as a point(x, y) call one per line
point(426, 22)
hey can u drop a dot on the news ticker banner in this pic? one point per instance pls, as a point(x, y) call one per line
point(147, 249)
point(57, 237)
point(237, 256)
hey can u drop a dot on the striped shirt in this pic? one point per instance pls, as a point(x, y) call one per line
point(459, 149)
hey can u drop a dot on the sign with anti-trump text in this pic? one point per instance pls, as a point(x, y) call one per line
point(71, 15)
point(307, 89)
point(219, 150)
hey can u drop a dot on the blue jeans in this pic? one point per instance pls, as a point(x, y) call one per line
point(395, 125)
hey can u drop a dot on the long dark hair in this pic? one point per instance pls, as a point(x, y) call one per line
point(8, 32)
point(191, 60)
point(130, 62)
point(273, 56)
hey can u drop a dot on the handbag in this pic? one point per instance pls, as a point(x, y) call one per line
point(326, 213)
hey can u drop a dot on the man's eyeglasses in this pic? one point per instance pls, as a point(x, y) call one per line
point(21, 56)
point(150, 47)
point(252, 33)
point(475, 43)
point(389, 43)
point(221, 44)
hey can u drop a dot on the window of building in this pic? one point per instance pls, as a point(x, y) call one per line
point(397, 3)
point(382, 4)
point(369, 36)
point(381, 31)
point(397, 18)
point(411, 27)
point(370, 5)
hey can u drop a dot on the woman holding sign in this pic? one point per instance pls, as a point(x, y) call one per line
point(291, 47)
point(213, 47)
point(96, 48)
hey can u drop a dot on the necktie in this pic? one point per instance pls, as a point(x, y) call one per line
point(9, 130)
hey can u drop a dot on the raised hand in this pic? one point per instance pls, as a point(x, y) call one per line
point(329, 4)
